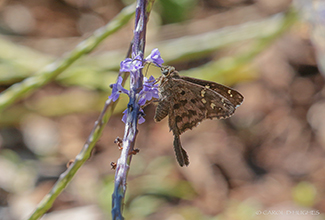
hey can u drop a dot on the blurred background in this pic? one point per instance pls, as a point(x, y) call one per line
point(266, 162)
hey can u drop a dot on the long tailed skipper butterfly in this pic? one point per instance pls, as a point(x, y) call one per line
point(187, 101)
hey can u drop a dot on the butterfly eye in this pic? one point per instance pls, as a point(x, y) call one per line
point(165, 72)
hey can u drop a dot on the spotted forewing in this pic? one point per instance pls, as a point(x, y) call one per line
point(187, 101)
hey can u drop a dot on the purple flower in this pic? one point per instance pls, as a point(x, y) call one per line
point(131, 65)
point(141, 118)
point(150, 88)
point(155, 57)
point(117, 89)
point(149, 91)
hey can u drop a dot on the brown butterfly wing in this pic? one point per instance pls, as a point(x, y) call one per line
point(231, 94)
point(197, 103)
point(162, 110)
point(189, 104)
point(185, 110)
point(188, 101)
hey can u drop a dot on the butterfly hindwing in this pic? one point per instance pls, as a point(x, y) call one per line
point(161, 110)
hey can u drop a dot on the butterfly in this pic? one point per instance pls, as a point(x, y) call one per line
point(187, 101)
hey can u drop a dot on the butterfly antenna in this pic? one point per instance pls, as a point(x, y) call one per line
point(147, 70)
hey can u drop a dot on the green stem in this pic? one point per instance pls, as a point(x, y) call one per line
point(80, 159)
point(85, 153)
point(51, 71)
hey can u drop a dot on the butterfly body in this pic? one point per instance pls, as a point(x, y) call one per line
point(187, 101)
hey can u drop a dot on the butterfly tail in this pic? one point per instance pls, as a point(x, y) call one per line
point(181, 154)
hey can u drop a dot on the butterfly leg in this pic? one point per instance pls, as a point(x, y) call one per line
point(181, 154)
point(158, 80)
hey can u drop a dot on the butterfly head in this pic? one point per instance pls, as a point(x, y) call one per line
point(169, 71)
